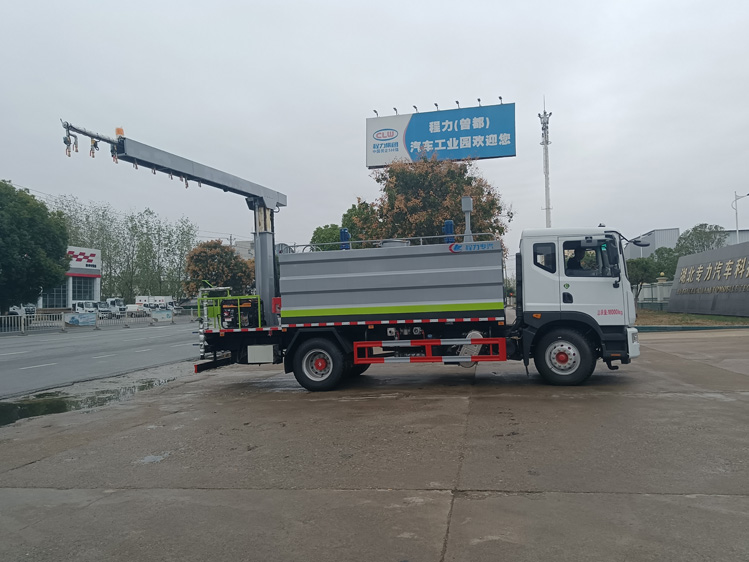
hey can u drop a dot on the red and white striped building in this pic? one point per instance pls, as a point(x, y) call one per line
point(82, 282)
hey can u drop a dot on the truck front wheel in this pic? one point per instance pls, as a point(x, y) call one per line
point(564, 358)
point(318, 364)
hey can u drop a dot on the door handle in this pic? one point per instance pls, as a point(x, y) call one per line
point(566, 298)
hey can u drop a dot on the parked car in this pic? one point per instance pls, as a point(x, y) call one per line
point(30, 309)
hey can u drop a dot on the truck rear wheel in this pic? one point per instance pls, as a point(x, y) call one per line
point(318, 364)
point(564, 358)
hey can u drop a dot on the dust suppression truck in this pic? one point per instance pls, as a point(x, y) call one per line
point(341, 311)
point(338, 312)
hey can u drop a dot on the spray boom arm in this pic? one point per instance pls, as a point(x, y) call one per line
point(262, 200)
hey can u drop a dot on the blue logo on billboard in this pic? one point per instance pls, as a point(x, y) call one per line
point(385, 134)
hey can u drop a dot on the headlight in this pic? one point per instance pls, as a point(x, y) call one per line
point(635, 337)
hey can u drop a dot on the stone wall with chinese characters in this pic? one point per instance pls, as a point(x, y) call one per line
point(713, 282)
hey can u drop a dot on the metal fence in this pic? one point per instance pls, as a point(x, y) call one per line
point(25, 324)
point(11, 324)
point(28, 324)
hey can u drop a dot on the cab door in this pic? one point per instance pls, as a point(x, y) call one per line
point(593, 288)
point(541, 274)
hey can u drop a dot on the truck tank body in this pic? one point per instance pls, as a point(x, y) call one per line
point(440, 281)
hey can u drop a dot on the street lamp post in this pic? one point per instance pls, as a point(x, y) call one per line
point(735, 206)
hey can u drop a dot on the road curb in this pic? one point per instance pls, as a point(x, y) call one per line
point(687, 328)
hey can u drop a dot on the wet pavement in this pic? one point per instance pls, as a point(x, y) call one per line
point(82, 396)
point(414, 463)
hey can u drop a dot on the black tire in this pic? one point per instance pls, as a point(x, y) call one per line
point(564, 357)
point(318, 364)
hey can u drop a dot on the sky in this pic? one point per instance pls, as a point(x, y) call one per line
point(648, 102)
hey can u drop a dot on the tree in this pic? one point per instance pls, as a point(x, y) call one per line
point(360, 219)
point(33, 247)
point(417, 197)
point(640, 271)
point(141, 253)
point(665, 260)
point(221, 266)
point(701, 238)
point(326, 235)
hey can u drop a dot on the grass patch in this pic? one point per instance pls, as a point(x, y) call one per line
point(662, 318)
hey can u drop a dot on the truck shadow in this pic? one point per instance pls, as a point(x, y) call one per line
point(469, 379)
point(456, 382)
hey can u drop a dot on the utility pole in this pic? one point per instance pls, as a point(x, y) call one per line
point(735, 206)
point(545, 142)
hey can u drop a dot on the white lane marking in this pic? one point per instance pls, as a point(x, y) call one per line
point(37, 366)
point(149, 338)
point(181, 344)
point(141, 350)
point(103, 356)
point(14, 353)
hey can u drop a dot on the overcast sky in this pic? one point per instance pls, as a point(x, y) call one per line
point(649, 102)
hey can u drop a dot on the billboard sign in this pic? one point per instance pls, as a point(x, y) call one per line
point(455, 134)
point(81, 319)
point(84, 262)
point(713, 282)
point(161, 315)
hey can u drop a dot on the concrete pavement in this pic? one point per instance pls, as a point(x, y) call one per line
point(430, 463)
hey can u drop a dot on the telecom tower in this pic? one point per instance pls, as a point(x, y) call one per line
point(545, 142)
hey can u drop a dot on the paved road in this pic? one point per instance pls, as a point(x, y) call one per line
point(46, 360)
point(419, 463)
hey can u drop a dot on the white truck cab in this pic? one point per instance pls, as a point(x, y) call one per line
point(117, 306)
point(573, 282)
point(85, 307)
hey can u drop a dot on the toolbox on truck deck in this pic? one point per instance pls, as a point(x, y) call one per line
point(390, 283)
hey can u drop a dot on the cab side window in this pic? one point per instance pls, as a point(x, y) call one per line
point(544, 256)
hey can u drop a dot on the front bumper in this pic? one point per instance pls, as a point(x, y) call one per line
point(633, 343)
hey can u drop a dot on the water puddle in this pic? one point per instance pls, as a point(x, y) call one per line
point(56, 402)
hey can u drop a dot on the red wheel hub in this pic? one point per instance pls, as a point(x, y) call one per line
point(320, 364)
point(562, 357)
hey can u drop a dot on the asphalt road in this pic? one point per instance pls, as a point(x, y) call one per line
point(46, 360)
point(406, 463)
